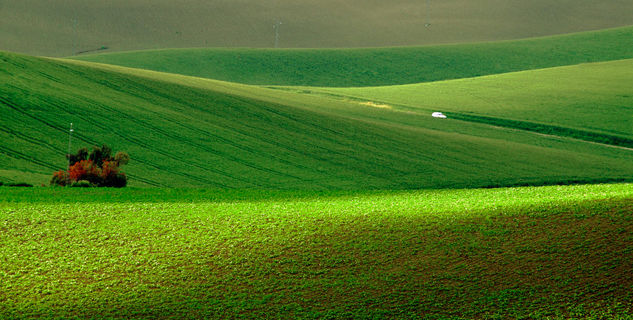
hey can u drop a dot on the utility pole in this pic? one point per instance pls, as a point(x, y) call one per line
point(428, 13)
point(70, 134)
point(276, 27)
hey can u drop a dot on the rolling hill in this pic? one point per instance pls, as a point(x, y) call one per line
point(380, 66)
point(185, 131)
point(594, 98)
point(64, 27)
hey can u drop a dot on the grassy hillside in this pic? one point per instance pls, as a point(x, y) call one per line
point(594, 98)
point(183, 131)
point(380, 66)
point(554, 252)
point(59, 28)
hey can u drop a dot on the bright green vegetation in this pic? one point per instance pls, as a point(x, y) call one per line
point(277, 227)
point(380, 66)
point(586, 99)
point(183, 131)
point(59, 28)
point(558, 252)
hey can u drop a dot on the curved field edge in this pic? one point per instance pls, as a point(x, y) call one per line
point(184, 131)
point(588, 101)
point(380, 66)
point(549, 130)
point(548, 252)
point(138, 24)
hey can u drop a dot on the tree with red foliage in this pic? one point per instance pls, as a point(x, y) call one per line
point(60, 178)
point(98, 167)
point(85, 170)
point(111, 176)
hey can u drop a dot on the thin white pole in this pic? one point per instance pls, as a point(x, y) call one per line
point(70, 134)
point(277, 25)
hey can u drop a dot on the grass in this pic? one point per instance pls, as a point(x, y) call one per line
point(586, 101)
point(279, 228)
point(556, 252)
point(183, 131)
point(550, 130)
point(380, 66)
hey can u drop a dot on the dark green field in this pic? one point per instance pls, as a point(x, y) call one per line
point(521, 253)
point(184, 131)
point(380, 66)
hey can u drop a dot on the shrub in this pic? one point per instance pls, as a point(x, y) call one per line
point(60, 178)
point(116, 180)
point(110, 175)
point(97, 168)
point(100, 155)
point(121, 158)
point(20, 184)
point(82, 154)
point(86, 170)
point(82, 184)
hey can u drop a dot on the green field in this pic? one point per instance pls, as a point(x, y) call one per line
point(183, 131)
point(380, 66)
point(557, 252)
point(594, 97)
point(314, 183)
point(61, 28)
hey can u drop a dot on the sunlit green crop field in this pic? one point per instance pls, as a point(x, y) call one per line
point(558, 252)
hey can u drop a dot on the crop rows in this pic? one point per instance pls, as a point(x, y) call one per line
point(550, 252)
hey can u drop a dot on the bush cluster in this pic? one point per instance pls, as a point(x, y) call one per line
point(15, 184)
point(97, 168)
